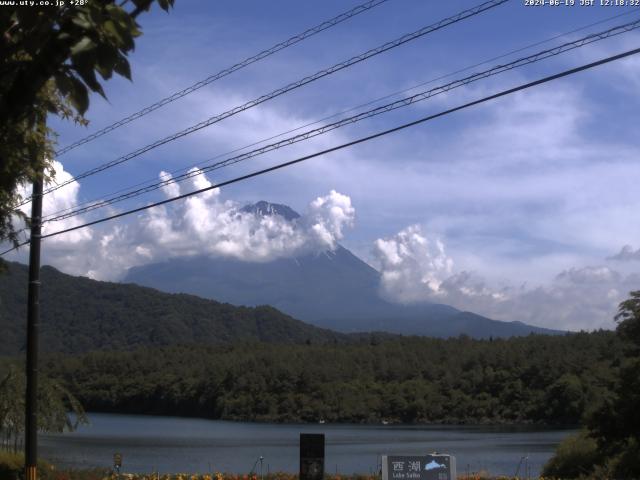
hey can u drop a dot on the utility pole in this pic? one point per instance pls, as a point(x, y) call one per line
point(33, 320)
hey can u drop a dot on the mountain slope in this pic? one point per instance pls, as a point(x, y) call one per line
point(333, 290)
point(79, 314)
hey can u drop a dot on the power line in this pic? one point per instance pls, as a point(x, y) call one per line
point(371, 102)
point(503, 93)
point(227, 71)
point(617, 30)
point(280, 91)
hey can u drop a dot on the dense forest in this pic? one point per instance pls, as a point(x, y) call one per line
point(542, 379)
point(79, 315)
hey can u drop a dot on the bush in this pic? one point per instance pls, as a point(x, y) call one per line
point(12, 468)
point(626, 463)
point(575, 456)
point(11, 465)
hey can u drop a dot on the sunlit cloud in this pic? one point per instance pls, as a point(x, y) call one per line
point(416, 268)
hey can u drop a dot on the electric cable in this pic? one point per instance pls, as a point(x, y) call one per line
point(280, 91)
point(279, 166)
point(371, 102)
point(227, 71)
point(356, 118)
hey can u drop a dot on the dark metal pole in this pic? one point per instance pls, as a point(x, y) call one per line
point(33, 319)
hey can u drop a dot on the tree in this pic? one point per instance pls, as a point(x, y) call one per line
point(49, 57)
point(611, 446)
point(54, 404)
point(628, 319)
point(616, 425)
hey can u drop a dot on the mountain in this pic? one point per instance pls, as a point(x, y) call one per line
point(79, 315)
point(266, 208)
point(333, 289)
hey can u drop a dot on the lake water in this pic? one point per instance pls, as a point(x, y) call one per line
point(172, 444)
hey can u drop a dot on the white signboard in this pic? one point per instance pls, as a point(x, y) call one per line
point(418, 467)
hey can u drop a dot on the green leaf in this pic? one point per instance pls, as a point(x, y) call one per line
point(96, 14)
point(63, 84)
point(122, 26)
point(78, 94)
point(119, 15)
point(82, 21)
point(104, 71)
point(107, 56)
point(113, 31)
point(83, 46)
point(86, 71)
point(122, 67)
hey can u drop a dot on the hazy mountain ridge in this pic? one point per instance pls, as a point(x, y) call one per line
point(333, 289)
point(79, 314)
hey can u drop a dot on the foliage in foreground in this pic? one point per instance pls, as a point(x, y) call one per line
point(610, 447)
point(50, 56)
point(54, 406)
point(12, 467)
point(576, 455)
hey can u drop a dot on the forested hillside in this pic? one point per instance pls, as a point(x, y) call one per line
point(79, 315)
point(545, 379)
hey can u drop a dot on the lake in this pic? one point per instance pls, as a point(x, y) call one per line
point(172, 444)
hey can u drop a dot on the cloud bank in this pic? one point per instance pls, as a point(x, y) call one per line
point(203, 224)
point(416, 268)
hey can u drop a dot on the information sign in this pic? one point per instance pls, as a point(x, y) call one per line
point(419, 467)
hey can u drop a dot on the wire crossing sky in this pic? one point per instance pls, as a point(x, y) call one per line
point(227, 71)
point(346, 145)
point(425, 95)
point(97, 202)
point(292, 86)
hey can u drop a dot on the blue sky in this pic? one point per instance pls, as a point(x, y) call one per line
point(518, 209)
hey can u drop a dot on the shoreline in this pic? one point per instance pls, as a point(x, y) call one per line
point(528, 426)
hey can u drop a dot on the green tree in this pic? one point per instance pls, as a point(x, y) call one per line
point(628, 319)
point(565, 399)
point(58, 409)
point(49, 61)
point(575, 456)
point(616, 425)
point(610, 448)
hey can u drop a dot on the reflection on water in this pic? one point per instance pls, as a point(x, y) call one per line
point(171, 444)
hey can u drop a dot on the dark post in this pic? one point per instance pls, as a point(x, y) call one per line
point(311, 456)
point(33, 315)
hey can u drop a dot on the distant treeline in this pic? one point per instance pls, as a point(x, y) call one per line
point(534, 379)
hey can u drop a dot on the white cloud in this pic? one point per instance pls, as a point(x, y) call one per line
point(168, 188)
point(200, 225)
point(415, 268)
point(327, 216)
point(204, 224)
point(57, 201)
